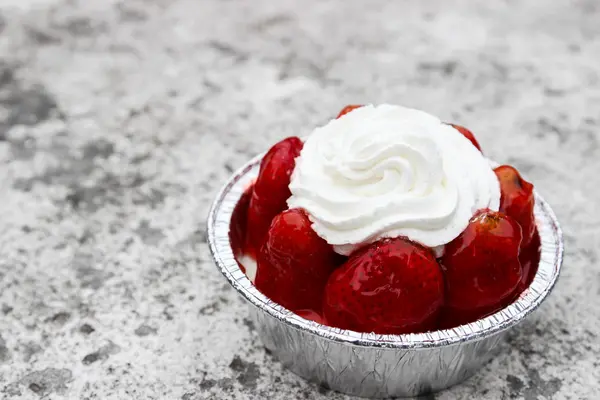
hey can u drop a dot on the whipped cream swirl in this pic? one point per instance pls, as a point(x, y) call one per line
point(388, 171)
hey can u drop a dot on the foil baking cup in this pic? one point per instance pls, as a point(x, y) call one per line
point(368, 364)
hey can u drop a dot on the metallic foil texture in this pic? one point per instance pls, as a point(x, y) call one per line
point(367, 364)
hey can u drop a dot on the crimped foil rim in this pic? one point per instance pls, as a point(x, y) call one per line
point(552, 250)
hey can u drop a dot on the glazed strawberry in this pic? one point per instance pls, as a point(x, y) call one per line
point(271, 190)
point(311, 315)
point(517, 200)
point(294, 262)
point(468, 134)
point(392, 286)
point(482, 268)
point(237, 227)
point(347, 109)
point(530, 259)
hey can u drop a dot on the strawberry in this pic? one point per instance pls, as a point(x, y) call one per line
point(517, 200)
point(311, 315)
point(392, 286)
point(468, 134)
point(482, 268)
point(347, 109)
point(271, 190)
point(529, 258)
point(237, 226)
point(294, 262)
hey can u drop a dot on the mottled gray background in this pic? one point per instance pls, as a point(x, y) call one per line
point(119, 120)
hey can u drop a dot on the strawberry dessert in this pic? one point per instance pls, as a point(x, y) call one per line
point(387, 220)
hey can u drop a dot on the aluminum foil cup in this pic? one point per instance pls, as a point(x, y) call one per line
point(367, 364)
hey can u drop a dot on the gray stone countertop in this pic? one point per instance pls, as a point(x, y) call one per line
point(119, 120)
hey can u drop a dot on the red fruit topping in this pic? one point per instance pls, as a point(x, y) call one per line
point(347, 109)
point(392, 286)
point(237, 226)
point(468, 134)
point(517, 200)
point(530, 259)
point(482, 268)
point(294, 263)
point(311, 315)
point(271, 190)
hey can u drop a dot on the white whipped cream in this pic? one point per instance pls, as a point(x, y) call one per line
point(388, 171)
point(250, 266)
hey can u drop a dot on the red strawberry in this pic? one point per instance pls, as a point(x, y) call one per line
point(517, 200)
point(294, 263)
point(311, 315)
point(482, 268)
point(237, 227)
point(347, 109)
point(392, 286)
point(271, 190)
point(530, 259)
point(468, 134)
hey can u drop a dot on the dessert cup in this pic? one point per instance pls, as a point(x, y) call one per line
point(368, 364)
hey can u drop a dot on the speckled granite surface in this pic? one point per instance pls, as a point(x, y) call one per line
point(120, 120)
